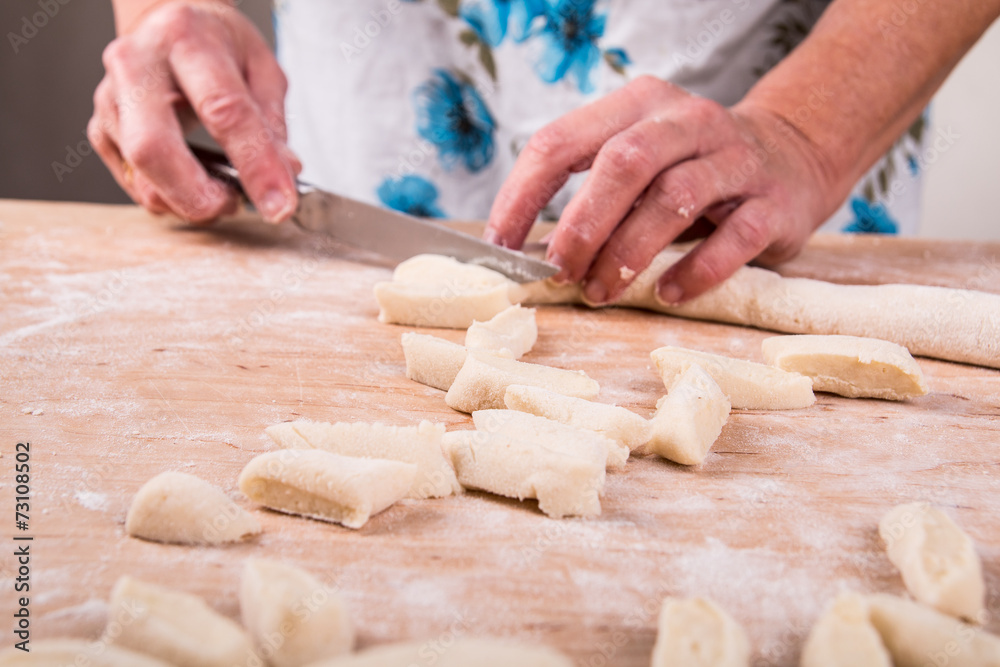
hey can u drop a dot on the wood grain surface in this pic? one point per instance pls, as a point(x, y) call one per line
point(130, 345)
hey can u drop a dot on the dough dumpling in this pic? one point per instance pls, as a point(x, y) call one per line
point(511, 333)
point(462, 653)
point(72, 652)
point(698, 633)
point(689, 418)
point(431, 360)
point(845, 637)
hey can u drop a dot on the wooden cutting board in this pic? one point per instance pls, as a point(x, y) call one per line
point(131, 345)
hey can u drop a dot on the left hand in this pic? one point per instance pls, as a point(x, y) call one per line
point(662, 160)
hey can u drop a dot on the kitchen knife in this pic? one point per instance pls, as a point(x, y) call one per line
point(388, 233)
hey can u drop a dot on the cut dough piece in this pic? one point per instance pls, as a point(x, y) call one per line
point(845, 637)
point(689, 418)
point(619, 424)
point(849, 365)
point(748, 385)
point(292, 617)
point(431, 360)
point(917, 636)
point(484, 378)
point(71, 652)
point(325, 486)
point(445, 270)
point(511, 333)
point(461, 653)
point(177, 628)
point(566, 478)
point(438, 305)
point(524, 425)
point(420, 445)
point(184, 509)
point(697, 633)
point(937, 560)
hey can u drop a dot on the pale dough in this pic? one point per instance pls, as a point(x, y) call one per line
point(749, 386)
point(439, 269)
point(177, 628)
point(619, 424)
point(461, 652)
point(697, 633)
point(419, 445)
point(952, 324)
point(918, 636)
point(511, 333)
point(524, 425)
point(72, 652)
point(184, 509)
point(483, 379)
point(845, 637)
point(326, 486)
point(689, 419)
point(431, 360)
point(937, 560)
point(566, 478)
point(849, 365)
point(292, 617)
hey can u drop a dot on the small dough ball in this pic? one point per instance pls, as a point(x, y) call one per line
point(749, 386)
point(937, 560)
point(697, 633)
point(849, 365)
point(689, 418)
point(431, 360)
point(72, 652)
point(511, 333)
point(463, 652)
point(183, 509)
point(177, 628)
point(325, 486)
point(292, 617)
point(845, 637)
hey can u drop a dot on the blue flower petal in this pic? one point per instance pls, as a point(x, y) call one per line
point(870, 219)
point(488, 18)
point(617, 57)
point(410, 194)
point(452, 116)
point(569, 42)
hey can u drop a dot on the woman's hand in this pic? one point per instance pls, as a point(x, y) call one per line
point(664, 162)
point(185, 61)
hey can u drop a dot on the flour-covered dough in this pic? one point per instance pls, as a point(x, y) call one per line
point(749, 386)
point(845, 637)
point(431, 360)
point(73, 652)
point(689, 419)
point(183, 509)
point(849, 365)
point(936, 559)
point(326, 486)
point(175, 627)
point(619, 424)
point(461, 652)
point(696, 632)
point(292, 617)
point(484, 379)
point(419, 445)
point(511, 333)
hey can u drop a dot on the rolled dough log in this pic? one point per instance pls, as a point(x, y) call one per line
point(749, 386)
point(845, 637)
point(431, 360)
point(325, 486)
point(461, 652)
point(951, 324)
point(567, 479)
point(484, 378)
point(524, 425)
point(419, 445)
point(849, 365)
point(689, 419)
point(511, 333)
point(292, 617)
point(177, 628)
point(72, 652)
point(698, 633)
point(619, 424)
point(184, 509)
point(937, 560)
point(918, 636)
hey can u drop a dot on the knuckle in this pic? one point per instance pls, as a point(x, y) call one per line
point(115, 52)
point(144, 152)
point(707, 271)
point(752, 232)
point(703, 111)
point(546, 142)
point(647, 85)
point(627, 155)
point(225, 111)
point(674, 194)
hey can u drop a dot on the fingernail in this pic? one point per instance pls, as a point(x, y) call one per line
point(595, 293)
point(491, 236)
point(562, 277)
point(670, 294)
point(275, 206)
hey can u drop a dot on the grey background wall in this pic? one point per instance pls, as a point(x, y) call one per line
point(47, 83)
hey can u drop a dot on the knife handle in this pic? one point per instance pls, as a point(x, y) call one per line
point(219, 167)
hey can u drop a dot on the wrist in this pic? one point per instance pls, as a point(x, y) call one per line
point(130, 13)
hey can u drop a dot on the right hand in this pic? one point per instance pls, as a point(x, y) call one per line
point(189, 60)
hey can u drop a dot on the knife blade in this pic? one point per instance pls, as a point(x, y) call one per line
point(386, 232)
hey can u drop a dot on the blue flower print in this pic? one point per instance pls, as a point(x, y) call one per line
point(452, 116)
point(410, 194)
point(491, 19)
point(870, 219)
point(569, 39)
point(617, 58)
